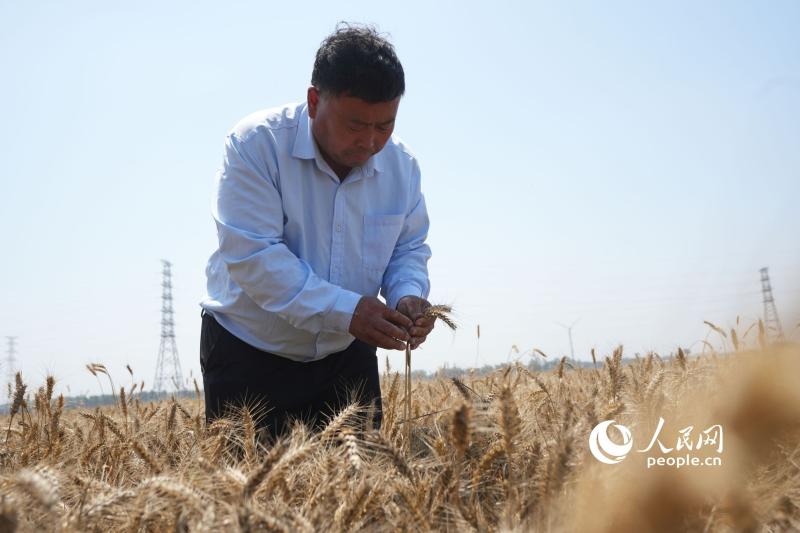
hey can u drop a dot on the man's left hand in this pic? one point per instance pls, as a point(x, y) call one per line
point(414, 307)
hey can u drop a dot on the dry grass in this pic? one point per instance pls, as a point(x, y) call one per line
point(506, 451)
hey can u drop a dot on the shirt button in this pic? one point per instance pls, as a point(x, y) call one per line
point(339, 227)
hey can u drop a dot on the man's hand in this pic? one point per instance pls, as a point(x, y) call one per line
point(413, 307)
point(376, 324)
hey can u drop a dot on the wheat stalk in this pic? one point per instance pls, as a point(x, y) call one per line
point(17, 401)
point(440, 312)
point(261, 472)
point(519, 463)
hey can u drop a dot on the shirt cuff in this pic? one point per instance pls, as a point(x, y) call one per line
point(339, 317)
point(406, 288)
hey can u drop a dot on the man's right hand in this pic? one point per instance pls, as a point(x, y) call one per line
point(376, 324)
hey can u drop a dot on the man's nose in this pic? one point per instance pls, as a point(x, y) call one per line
point(368, 139)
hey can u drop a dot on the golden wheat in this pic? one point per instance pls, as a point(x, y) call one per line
point(507, 450)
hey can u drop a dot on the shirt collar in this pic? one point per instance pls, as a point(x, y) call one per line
point(303, 142)
point(305, 147)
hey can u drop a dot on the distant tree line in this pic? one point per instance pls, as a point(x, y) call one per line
point(90, 402)
point(535, 364)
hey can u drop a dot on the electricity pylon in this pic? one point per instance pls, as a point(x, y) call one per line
point(772, 324)
point(168, 369)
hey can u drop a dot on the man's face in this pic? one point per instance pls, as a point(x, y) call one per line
point(350, 130)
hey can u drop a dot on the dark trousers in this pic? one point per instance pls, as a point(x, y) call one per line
point(236, 374)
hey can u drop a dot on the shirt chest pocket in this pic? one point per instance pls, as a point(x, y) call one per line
point(380, 237)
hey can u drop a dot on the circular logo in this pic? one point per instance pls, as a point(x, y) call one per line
point(604, 449)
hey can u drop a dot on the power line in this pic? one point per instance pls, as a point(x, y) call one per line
point(168, 368)
point(10, 359)
point(772, 323)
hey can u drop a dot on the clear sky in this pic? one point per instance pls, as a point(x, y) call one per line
point(629, 165)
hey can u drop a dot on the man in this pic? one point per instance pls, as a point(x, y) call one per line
point(318, 208)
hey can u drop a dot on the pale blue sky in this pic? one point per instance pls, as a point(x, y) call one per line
point(628, 164)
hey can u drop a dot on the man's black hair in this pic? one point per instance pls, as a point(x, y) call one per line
point(357, 61)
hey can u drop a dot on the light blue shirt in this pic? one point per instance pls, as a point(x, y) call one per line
point(298, 247)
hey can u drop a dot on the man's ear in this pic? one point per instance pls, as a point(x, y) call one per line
point(312, 98)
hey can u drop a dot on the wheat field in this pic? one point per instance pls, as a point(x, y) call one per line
point(507, 451)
